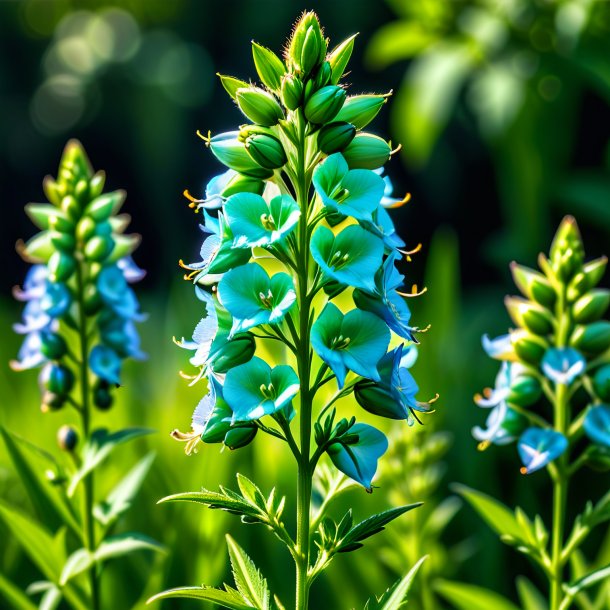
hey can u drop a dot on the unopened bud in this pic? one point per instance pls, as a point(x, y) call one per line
point(71, 207)
point(336, 136)
point(52, 345)
point(533, 285)
point(592, 338)
point(67, 438)
point(292, 91)
point(85, 228)
point(266, 150)
point(99, 247)
point(367, 151)
point(259, 106)
point(102, 398)
point(529, 347)
point(525, 391)
point(591, 307)
point(243, 184)
point(61, 266)
point(339, 58)
point(236, 438)
point(360, 110)
point(227, 148)
point(567, 251)
point(323, 76)
point(52, 402)
point(63, 241)
point(529, 315)
point(57, 378)
point(307, 46)
point(601, 382)
point(105, 206)
point(230, 354)
point(324, 104)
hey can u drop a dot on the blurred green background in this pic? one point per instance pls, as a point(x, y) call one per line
point(502, 110)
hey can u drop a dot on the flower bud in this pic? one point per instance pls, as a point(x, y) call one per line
point(99, 247)
point(61, 224)
point(324, 104)
point(57, 378)
point(243, 184)
point(259, 106)
point(307, 46)
point(52, 402)
point(219, 423)
point(529, 348)
point(374, 399)
point(102, 398)
point(105, 206)
point(92, 300)
point(323, 76)
point(53, 346)
point(533, 285)
point(61, 266)
point(266, 150)
point(81, 191)
point(63, 241)
point(269, 66)
point(360, 110)
point(525, 391)
point(591, 307)
point(334, 137)
point(339, 58)
point(567, 251)
point(231, 84)
point(601, 382)
point(71, 207)
point(514, 423)
point(236, 438)
point(85, 228)
point(292, 91)
point(594, 271)
point(230, 354)
point(367, 151)
point(529, 315)
point(227, 148)
point(592, 338)
point(67, 438)
point(96, 184)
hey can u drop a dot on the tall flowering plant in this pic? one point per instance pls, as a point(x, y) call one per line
point(550, 398)
point(78, 326)
point(300, 252)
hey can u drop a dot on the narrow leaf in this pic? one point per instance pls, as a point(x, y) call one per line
point(248, 579)
point(531, 598)
point(79, 561)
point(218, 596)
point(601, 575)
point(51, 599)
point(398, 592)
point(14, 596)
point(469, 597)
point(212, 499)
point(124, 544)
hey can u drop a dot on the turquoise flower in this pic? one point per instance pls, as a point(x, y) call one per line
point(130, 269)
point(563, 365)
point(105, 363)
point(538, 447)
point(503, 426)
point(254, 389)
point(117, 295)
point(382, 226)
point(359, 460)
point(254, 222)
point(352, 257)
point(30, 355)
point(354, 193)
point(499, 348)
point(597, 424)
point(121, 335)
point(213, 198)
point(354, 341)
point(253, 298)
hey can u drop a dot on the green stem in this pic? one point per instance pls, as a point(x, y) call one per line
point(85, 411)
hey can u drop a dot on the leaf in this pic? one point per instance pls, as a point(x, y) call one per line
point(15, 597)
point(600, 575)
point(231, 503)
point(531, 598)
point(51, 599)
point(45, 498)
point(120, 498)
point(125, 544)
point(396, 595)
point(77, 563)
point(250, 491)
point(497, 515)
point(441, 516)
point(99, 447)
point(210, 594)
point(248, 579)
point(469, 597)
point(371, 526)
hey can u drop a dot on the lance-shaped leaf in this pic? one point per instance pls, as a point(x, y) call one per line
point(469, 597)
point(226, 599)
point(538, 447)
point(248, 579)
point(253, 298)
point(352, 257)
point(254, 389)
point(15, 597)
point(359, 460)
point(354, 193)
point(255, 223)
point(597, 424)
point(354, 341)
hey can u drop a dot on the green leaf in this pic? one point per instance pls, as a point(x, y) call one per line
point(498, 516)
point(125, 544)
point(531, 598)
point(251, 492)
point(210, 594)
point(51, 599)
point(99, 447)
point(232, 503)
point(248, 579)
point(600, 575)
point(77, 563)
point(396, 596)
point(47, 499)
point(469, 597)
point(121, 497)
point(14, 596)
point(371, 526)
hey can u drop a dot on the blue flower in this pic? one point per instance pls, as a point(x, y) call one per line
point(504, 425)
point(359, 460)
point(538, 447)
point(105, 363)
point(253, 298)
point(352, 257)
point(382, 226)
point(34, 284)
point(500, 348)
point(597, 424)
point(254, 222)
point(117, 295)
point(388, 201)
point(29, 355)
point(121, 335)
point(131, 272)
point(563, 365)
point(355, 193)
point(354, 341)
point(254, 389)
point(213, 198)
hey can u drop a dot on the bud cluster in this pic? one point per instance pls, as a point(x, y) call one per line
point(78, 286)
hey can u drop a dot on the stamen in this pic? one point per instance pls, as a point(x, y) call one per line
point(398, 204)
point(207, 138)
point(397, 149)
point(193, 200)
point(523, 470)
point(484, 445)
point(414, 292)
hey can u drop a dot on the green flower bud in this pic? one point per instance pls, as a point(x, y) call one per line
point(323, 76)
point(592, 338)
point(374, 399)
point(231, 152)
point(594, 271)
point(99, 247)
point(324, 104)
point(57, 378)
point(367, 151)
point(243, 184)
point(96, 184)
point(577, 287)
point(528, 347)
point(63, 241)
point(307, 46)
point(592, 306)
point(67, 438)
point(75, 159)
point(105, 206)
point(61, 266)
point(70, 207)
point(61, 224)
point(102, 398)
point(85, 228)
point(533, 285)
point(103, 228)
point(236, 438)
point(292, 91)
point(53, 346)
point(269, 66)
point(92, 300)
point(335, 136)
point(219, 423)
point(567, 251)
point(231, 84)
point(52, 402)
point(601, 382)
point(339, 58)
point(53, 191)
point(529, 315)
point(81, 191)
point(525, 391)
point(259, 106)
point(360, 110)
point(230, 354)
point(37, 249)
point(266, 150)
point(514, 423)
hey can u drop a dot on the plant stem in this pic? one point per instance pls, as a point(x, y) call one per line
point(85, 411)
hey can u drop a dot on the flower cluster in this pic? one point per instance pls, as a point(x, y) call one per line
point(297, 224)
point(78, 287)
point(559, 347)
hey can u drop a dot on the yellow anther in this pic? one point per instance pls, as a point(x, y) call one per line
point(484, 445)
point(207, 138)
